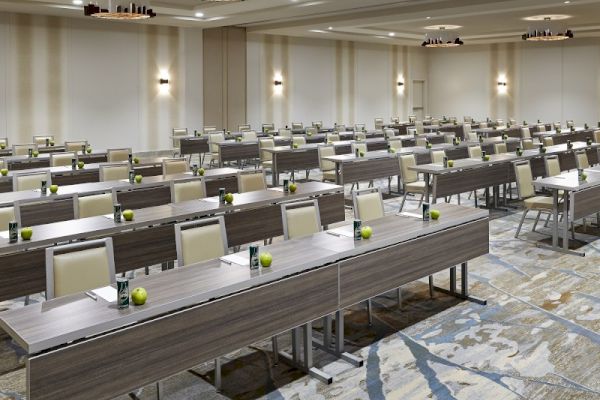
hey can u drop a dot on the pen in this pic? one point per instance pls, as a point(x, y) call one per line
point(91, 296)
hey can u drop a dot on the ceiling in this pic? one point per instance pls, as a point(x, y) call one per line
point(481, 21)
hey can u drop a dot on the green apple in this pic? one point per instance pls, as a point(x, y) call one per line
point(295, 145)
point(139, 296)
point(88, 150)
point(4, 171)
point(238, 139)
point(36, 153)
point(450, 163)
point(26, 233)
point(2, 146)
point(366, 232)
point(266, 259)
point(434, 214)
point(80, 164)
point(138, 179)
point(486, 158)
point(52, 143)
point(201, 172)
point(293, 187)
point(543, 149)
point(128, 215)
point(392, 150)
point(362, 154)
point(136, 160)
point(583, 176)
point(53, 189)
point(229, 198)
point(309, 134)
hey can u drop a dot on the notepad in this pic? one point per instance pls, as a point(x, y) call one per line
point(344, 231)
point(108, 293)
point(211, 199)
point(412, 215)
point(238, 259)
point(277, 189)
point(4, 234)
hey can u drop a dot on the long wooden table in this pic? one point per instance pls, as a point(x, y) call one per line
point(150, 238)
point(374, 164)
point(14, 163)
point(197, 313)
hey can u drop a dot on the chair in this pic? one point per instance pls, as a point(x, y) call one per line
point(419, 127)
point(421, 142)
point(209, 128)
point(297, 125)
point(327, 167)
point(361, 147)
point(266, 158)
point(435, 122)
point(75, 145)
point(541, 128)
point(243, 128)
point(268, 127)
point(468, 119)
point(581, 159)
point(333, 137)
point(526, 192)
point(41, 140)
point(437, 156)
point(62, 159)
point(340, 128)
point(474, 151)
point(368, 204)
point(525, 133)
point(23, 149)
point(117, 155)
point(395, 120)
point(548, 141)
point(200, 240)
point(552, 165)
point(185, 190)
point(299, 140)
point(7, 215)
point(174, 166)
point(213, 140)
point(94, 205)
point(360, 135)
point(411, 119)
point(79, 267)
point(250, 181)
point(389, 133)
point(395, 144)
point(249, 136)
point(113, 172)
point(4, 141)
point(483, 125)
point(410, 179)
point(317, 124)
point(176, 135)
point(500, 123)
point(378, 123)
point(597, 136)
point(30, 180)
point(500, 148)
point(311, 130)
point(557, 125)
point(300, 218)
point(286, 133)
point(359, 127)
point(570, 123)
point(527, 144)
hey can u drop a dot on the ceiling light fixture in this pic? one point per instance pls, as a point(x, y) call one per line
point(199, 14)
point(78, 2)
point(129, 12)
point(547, 32)
point(442, 38)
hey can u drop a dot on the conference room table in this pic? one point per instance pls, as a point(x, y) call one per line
point(150, 239)
point(579, 135)
point(373, 165)
point(14, 163)
point(470, 174)
point(74, 344)
point(7, 151)
point(511, 132)
point(582, 199)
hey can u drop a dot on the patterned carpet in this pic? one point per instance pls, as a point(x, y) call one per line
point(538, 337)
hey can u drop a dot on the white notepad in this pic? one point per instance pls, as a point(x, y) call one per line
point(4, 234)
point(238, 259)
point(341, 232)
point(412, 215)
point(108, 293)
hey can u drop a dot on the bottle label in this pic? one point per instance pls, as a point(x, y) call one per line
point(357, 226)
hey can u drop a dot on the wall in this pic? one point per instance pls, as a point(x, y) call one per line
point(80, 78)
point(548, 81)
point(328, 80)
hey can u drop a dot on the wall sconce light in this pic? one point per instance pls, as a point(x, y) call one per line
point(163, 81)
point(277, 83)
point(501, 83)
point(400, 83)
point(164, 86)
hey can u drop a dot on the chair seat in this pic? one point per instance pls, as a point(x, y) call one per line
point(267, 164)
point(539, 202)
point(329, 175)
point(415, 187)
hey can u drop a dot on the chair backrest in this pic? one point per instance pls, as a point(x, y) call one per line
point(23, 149)
point(468, 119)
point(40, 140)
point(62, 159)
point(556, 125)
point(419, 127)
point(548, 141)
point(317, 124)
point(395, 144)
point(75, 145)
point(525, 133)
point(581, 159)
point(297, 125)
point(4, 141)
point(500, 148)
point(116, 155)
point(268, 127)
point(210, 128)
point(474, 151)
point(408, 175)
point(435, 121)
point(333, 137)
point(7, 214)
point(359, 127)
point(176, 135)
point(421, 141)
point(200, 240)
point(185, 190)
point(552, 164)
point(113, 172)
point(360, 135)
point(597, 136)
point(250, 181)
point(395, 120)
point(326, 151)
point(213, 139)
point(466, 130)
point(340, 128)
point(437, 156)
point(570, 123)
point(79, 267)
point(244, 127)
point(527, 144)
point(483, 125)
point(172, 166)
point(411, 119)
point(368, 204)
point(249, 136)
point(378, 123)
point(31, 180)
point(389, 133)
point(265, 144)
point(286, 133)
point(524, 179)
point(541, 128)
point(93, 205)
point(311, 130)
point(299, 140)
point(300, 218)
point(361, 147)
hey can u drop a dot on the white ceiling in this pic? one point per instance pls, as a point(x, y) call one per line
point(481, 21)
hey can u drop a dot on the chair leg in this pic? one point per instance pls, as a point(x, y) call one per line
point(218, 374)
point(369, 312)
point(421, 201)
point(403, 200)
point(399, 290)
point(547, 220)
point(431, 286)
point(537, 219)
point(521, 223)
point(27, 300)
point(159, 390)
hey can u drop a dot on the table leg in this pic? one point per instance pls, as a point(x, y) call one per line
point(464, 285)
point(426, 177)
point(555, 218)
point(566, 224)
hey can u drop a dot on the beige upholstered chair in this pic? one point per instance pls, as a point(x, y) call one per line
point(250, 181)
point(249, 136)
point(389, 133)
point(209, 128)
point(79, 267)
point(557, 125)
point(378, 123)
point(23, 149)
point(185, 190)
point(552, 164)
point(317, 124)
point(4, 141)
point(435, 122)
point(340, 128)
point(483, 125)
point(94, 205)
point(62, 159)
point(117, 155)
point(31, 180)
point(361, 147)
point(525, 133)
point(311, 130)
point(286, 133)
point(570, 123)
point(368, 204)
point(75, 145)
point(527, 144)
point(581, 159)
point(411, 119)
point(200, 240)
point(213, 139)
point(410, 179)
point(244, 127)
point(7, 214)
point(474, 151)
point(500, 123)
point(597, 136)
point(395, 144)
point(468, 119)
point(113, 172)
point(360, 136)
point(500, 148)
point(41, 139)
point(333, 137)
point(327, 167)
point(359, 127)
point(173, 166)
point(548, 141)
point(419, 127)
point(297, 125)
point(437, 156)
point(266, 158)
point(300, 218)
point(541, 204)
point(421, 142)
point(299, 140)
point(176, 135)
point(268, 127)
point(541, 128)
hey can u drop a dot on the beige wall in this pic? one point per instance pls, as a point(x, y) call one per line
point(81, 78)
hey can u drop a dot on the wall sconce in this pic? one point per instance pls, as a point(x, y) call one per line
point(163, 81)
point(164, 87)
point(277, 83)
point(400, 83)
point(501, 83)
